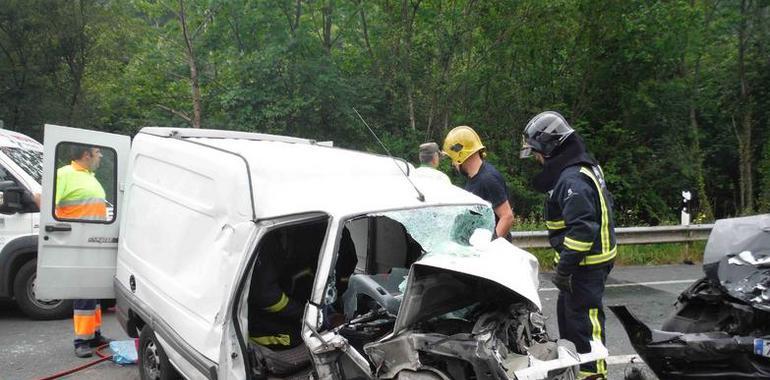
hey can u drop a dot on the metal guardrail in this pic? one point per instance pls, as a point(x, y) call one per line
point(627, 235)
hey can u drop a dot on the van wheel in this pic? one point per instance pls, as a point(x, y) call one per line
point(153, 362)
point(24, 293)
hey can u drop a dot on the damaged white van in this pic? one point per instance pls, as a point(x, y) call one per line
point(396, 278)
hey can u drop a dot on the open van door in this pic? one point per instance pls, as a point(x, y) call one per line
point(80, 205)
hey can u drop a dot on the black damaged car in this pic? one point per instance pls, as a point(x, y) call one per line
point(720, 327)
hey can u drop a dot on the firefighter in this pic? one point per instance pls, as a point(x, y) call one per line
point(283, 280)
point(581, 229)
point(275, 314)
point(464, 148)
point(80, 196)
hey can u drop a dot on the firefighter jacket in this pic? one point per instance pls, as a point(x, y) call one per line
point(275, 314)
point(579, 218)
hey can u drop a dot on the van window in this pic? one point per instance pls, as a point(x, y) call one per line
point(31, 161)
point(85, 183)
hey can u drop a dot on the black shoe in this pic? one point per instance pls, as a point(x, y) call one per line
point(83, 351)
point(99, 341)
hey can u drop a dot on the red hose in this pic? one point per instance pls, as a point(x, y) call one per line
point(102, 357)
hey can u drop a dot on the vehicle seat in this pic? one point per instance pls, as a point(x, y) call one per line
point(281, 363)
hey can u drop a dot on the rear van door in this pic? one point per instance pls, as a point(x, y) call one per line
point(80, 212)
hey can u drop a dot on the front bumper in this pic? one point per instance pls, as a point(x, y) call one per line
point(404, 352)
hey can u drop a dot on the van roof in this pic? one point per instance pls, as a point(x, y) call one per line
point(291, 175)
point(18, 140)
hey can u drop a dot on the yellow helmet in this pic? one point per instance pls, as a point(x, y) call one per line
point(460, 143)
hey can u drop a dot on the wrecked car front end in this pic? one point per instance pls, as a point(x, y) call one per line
point(468, 308)
point(721, 325)
point(461, 320)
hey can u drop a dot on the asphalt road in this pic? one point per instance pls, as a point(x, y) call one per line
point(35, 349)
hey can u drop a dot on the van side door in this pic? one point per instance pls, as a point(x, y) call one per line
point(80, 205)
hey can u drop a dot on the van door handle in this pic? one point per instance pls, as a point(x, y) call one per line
point(57, 227)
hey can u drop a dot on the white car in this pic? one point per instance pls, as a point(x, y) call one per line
point(398, 278)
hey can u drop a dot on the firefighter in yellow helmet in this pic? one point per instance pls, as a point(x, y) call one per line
point(464, 148)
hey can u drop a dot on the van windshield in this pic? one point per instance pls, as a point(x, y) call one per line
point(445, 229)
point(31, 161)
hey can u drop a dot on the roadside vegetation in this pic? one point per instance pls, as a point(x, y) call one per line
point(641, 254)
point(669, 95)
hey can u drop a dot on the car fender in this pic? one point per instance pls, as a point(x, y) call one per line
point(12, 256)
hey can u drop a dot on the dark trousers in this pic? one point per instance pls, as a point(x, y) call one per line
point(581, 316)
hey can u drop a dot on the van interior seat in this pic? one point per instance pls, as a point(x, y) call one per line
point(281, 363)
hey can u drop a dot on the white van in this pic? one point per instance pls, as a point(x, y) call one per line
point(397, 276)
point(21, 168)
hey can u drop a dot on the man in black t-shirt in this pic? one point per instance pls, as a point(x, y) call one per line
point(464, 148)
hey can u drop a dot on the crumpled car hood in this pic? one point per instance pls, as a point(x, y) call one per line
point(498, 262)
point(735, 235)
point(737, 256)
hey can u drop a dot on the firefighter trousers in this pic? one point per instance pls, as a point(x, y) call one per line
point(581, 316)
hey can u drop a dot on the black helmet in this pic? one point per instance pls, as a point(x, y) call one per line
point(544, 133)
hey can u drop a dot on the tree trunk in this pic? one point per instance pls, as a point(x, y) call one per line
point(704, 205)
point(190, 54)
point(76, 62)
point(410, 104)
point(365, 31)
point(407, 20)
point(328, 10)
point(745, 131)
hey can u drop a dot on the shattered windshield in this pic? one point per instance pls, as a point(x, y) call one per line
point(446, 229)
point(31, 161)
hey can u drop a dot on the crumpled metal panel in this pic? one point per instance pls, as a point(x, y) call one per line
point(432, 287)
point(710, 355)
point(735, 235)
point(747, 278)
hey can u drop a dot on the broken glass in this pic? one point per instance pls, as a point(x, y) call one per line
point(445, 230)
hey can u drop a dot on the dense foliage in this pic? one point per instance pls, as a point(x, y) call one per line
point(670, 95)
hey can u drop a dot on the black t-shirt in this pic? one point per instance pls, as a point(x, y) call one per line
point(489, 185)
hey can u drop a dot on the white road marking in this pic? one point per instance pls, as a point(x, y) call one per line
point(651, 283)
point(624, 359)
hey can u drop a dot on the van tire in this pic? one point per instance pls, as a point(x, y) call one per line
point(24, 293)
point(153, 362)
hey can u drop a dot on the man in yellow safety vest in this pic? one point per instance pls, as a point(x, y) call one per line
point(80, 196)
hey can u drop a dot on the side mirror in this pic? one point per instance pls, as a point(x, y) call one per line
point(11, 201)
point(14, 198)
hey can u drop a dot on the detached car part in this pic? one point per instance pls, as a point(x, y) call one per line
point(721, 325)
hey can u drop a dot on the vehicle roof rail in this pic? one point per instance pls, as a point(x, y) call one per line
point(223, 134)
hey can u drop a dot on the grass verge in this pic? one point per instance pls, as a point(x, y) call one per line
point(640, 254)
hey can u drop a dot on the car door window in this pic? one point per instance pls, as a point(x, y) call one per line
point(85, 183)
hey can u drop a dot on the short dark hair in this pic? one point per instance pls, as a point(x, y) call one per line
point(427, 158)
point(78, 150)
point(428, 151)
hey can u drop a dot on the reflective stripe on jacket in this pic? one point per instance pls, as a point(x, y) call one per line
point(578, 213)
point(79, 195)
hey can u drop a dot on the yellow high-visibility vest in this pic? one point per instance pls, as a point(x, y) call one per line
point(79, 195)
